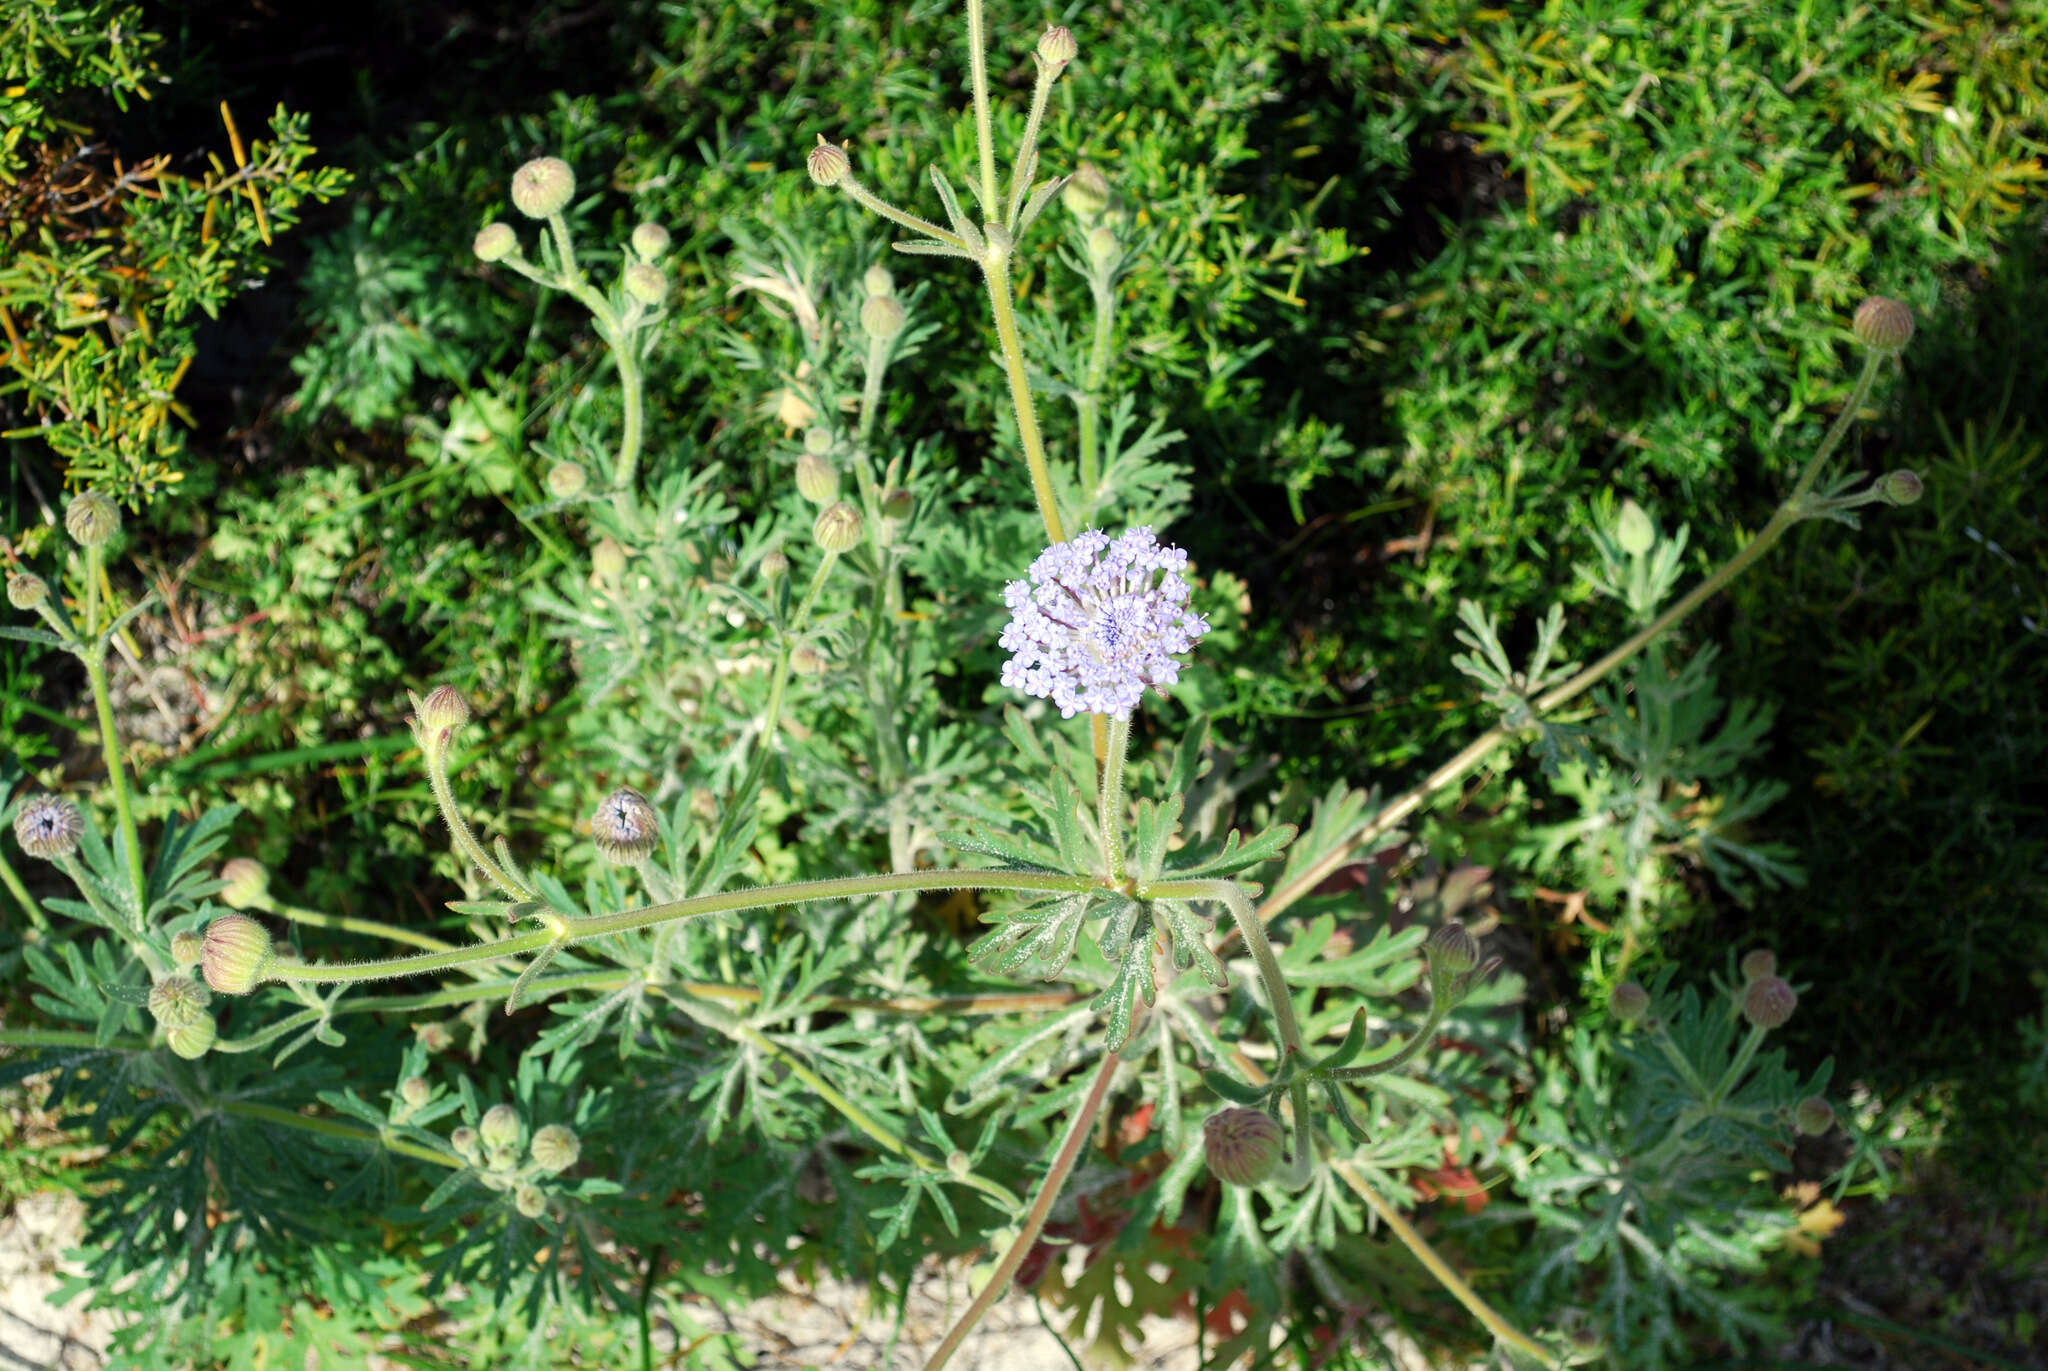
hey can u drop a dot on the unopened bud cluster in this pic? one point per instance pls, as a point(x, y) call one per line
point(492, 1150)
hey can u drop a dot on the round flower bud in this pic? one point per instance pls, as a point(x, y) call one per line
point(1813, 1116)
point(646, 284)
point(187, 947)
point(827, 164)
point(1102, 245)
point(434, 1037)
point(415, 1091)
point(608, 559)
point(1768, 1002)
point(1453, 948)
point(1883, 325)
point(1901, 487)
point(542, 187)
point(774, 566)
point(248, 882)
point(555, 1148)
point(178, 1001)
point(817, 480)
point(26, 590)
point(500, 1126)
point(838, 527)
point(805, 661)
point(92, 519)
point(1760, 963)
point(464, 1141)
point(878, 281)
point(495, 242)
point(566, 480)
point(234, 954)
point(881, 318)
point(1628, 1002)
point(1242, 1146)
point(897, 503)
point(817, 441)
point(48, 827)
point(650, 241)
point(1086, 193)
point(1056, 46)
point(624, 827)
point(1633, 529)
point(529, 1201)
point(444, 707)
point(191, 1040)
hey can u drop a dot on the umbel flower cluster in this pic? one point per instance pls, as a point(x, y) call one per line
point(1097, 621)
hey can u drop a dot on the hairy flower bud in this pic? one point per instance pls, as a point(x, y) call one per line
point(1628, 1002)
point(1883, 324)
point(827, 164)
point(567, 480)
point(178, 1001)
point(555, 1147)
point(495, 242)
point(881, 318)
point(650, 241)
point(500, 1126)
point(1453, 948)
point(1633, 529)
point(608, 559)
point(248, 882)
point(92, 519)
point(414, 1091)
point(529, 1201)
point(624, 827)
point(187, 948)
point(897, 503)
point(444, 707)
point(817, 480)
point(1768, 1002)
point(234, 954)
point(26, 590)
point(806, 662)
point(464, 1141)
point(192, 1040)
point(1762, 962)
point(838, 527)
point(1813, 1116)
point(1242, 1146)
point(1086, 194)
point(1901, 487)
point(1102, 246)
point(648, 285)
point(774, 566)
point(433, 1037)
point(877, 280)
point(48, 827)
point(1056, 46)
point(542, 187)
point(817, 441)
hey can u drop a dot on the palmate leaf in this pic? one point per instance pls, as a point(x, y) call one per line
point(1237, 854)
point(1037, 940)
point(1126, 942)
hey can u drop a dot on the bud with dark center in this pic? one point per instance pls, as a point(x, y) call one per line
point(838, 527)
point(48, 827)
point(529, 1201)
point(543, 187)
point(26, 590)
point(1901, 487)
point(1768, 1002)
point(1628, 1002)
point(187, 948)
point(414, 1091)
point(774, 566)
point(464, 1141)
point(235, 952)
point(92, 520)
point(555, 1148)
point(624, 827)
point(1242, 1146)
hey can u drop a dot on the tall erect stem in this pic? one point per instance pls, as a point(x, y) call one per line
point(996, 268)
point(984, 133)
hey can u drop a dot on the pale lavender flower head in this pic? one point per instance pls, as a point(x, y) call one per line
point(1097, 621)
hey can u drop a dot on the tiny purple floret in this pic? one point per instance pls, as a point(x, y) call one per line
point(1097, 621)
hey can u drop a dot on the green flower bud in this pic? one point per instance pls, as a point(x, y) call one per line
point(92, 520)
point(774, 566)
point(1883, 325)
point(191, 1040)
point(502, 1158)
point(1102, 246)
point(236, 950)
point(414, 1091)
point(1453, 948)
point(464, 1142)
point(1242, 1146)
point(817, 441)
point(439, 715)
point(178, 1001)
point(48, 827)
point(1633, 529)
point(1813, 1116)
point(186, 948)
point(881, 318)
point(897, 504)
point(878, 281)
point(1760, 963)
point(1768, 1002)
point(542, 187)
point(26, 590)
point(555, 1148)
point(650, 241)
point(608, 560)
point(817, 480)
point(1086, 193)
point(648, 285)
point(434, 1037)
point(624, 827)
point(1901, 487)
point(248, 882)
point(828, 165)
point(566, 480)
point(1628, 1002)
point(838, 527)
point(495, 242)
point(806, 662)
point(1056, 46)
point(529, 1201)
point(500, 1126)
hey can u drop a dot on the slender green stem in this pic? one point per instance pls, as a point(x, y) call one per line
point(334, 1128)
point(984, 133)
point(1439, 1005)
point(632, 388)
point(868, 200)
point(268, 1034)
point(436, 758)
point(372, 928)
point(993, 1002)
point(1732, 1077)
point(117, 775)
point(1088, 404)
point(871, 391)
point(1254, 934)
point(55, 1037)
point(1110, 802)
point(37, 919)
point(92, 593)
point(995, 269)
point(1049, 1189)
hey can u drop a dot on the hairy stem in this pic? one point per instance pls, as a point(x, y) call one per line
point(117, 775)
point(335, 1128)
point(436, 757)
point(1110, 801)
point(984, 134)
point(995, 269)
